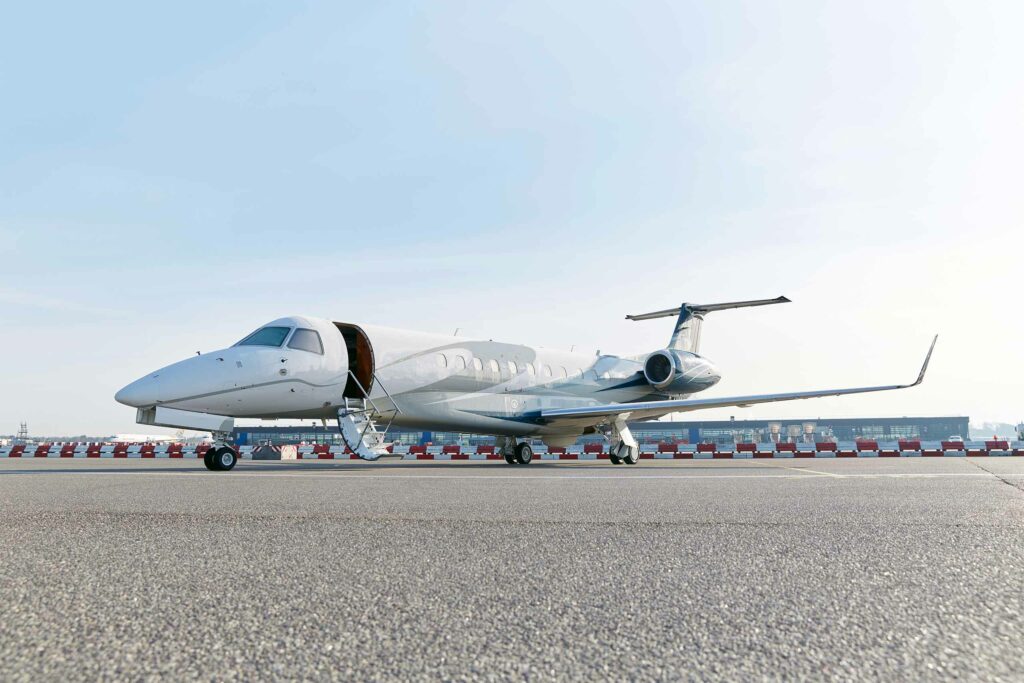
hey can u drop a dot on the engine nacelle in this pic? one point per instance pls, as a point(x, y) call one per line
point(661, 368)
point(679, 372)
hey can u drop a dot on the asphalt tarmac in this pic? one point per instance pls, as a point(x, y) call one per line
point(901, 569)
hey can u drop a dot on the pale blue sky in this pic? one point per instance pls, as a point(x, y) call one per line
point(172, 176)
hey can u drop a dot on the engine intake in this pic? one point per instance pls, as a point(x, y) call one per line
point(662, 368)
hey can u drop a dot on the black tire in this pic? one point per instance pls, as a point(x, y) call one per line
point(208, 459)
point(510, 459)
point(616, 460)
point(225, 459)
point(630, 456)
point(524, 454)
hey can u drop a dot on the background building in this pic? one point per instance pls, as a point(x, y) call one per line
point(704, 431)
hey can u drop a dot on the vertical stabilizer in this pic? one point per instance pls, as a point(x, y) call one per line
point(686, 335)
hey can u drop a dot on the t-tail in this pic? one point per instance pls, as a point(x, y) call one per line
point(686, 336)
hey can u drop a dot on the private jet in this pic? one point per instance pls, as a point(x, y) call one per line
point(369, 378)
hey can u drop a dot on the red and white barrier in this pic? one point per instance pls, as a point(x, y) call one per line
point(858, 449)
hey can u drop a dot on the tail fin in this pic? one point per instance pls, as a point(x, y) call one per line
point(686, 336)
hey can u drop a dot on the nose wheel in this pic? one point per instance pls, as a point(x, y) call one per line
point(220, 459)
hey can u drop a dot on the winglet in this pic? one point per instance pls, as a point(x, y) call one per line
point(924, 368)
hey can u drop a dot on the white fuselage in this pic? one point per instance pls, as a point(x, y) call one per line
point(434, 381)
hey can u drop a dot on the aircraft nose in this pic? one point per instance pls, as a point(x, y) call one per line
point(140, 393)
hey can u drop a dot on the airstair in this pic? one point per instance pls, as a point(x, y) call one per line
point(359, 421)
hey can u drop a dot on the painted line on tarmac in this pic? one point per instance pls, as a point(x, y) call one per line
point(808, 470)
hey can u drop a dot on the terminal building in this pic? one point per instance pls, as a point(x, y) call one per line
point(722, 432)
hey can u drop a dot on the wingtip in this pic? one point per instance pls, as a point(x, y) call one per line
point(784, 300)
point(927, 359)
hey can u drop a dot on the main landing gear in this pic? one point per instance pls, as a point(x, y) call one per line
point(624, 454)
point(516, 454)
point(220, 457)
point(624, 448)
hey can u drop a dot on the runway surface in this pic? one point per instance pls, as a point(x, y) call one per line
point(896, 569)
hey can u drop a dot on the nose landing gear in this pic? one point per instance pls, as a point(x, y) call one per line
point(220, 457)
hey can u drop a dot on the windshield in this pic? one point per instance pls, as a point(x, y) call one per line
point(268, 336)
point(306, 340)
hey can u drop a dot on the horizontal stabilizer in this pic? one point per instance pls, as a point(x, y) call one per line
point(699, 309)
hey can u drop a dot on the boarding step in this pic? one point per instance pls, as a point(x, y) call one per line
point(360, 432)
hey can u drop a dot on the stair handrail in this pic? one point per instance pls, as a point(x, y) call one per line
point(386, 392)
point(366, 394)
point(394, 411)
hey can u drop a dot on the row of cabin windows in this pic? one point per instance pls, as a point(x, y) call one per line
point(459, 363)
point(309, 340)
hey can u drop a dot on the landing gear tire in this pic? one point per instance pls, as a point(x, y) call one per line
point(616, 460)
point(220, 459)
point(510, 459)
point(524, 454)
point(630, 455)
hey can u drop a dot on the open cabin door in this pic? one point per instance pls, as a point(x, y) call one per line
point(360, 361)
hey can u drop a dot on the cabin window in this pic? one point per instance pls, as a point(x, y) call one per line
point(565, 373)
point(460, 363)
point(478, 365)
point(267, 336)
point(306, 340)
point(529, 370)
point(493, 365)
point(442, 360)
point(547, 370)
point(512, 368)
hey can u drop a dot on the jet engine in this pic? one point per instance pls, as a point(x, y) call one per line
point(679, 372)
point(661, 367)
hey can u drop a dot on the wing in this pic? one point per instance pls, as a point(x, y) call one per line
point(595, 415)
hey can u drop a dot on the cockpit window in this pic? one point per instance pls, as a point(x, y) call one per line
point(306, 340)
point(268, 336)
